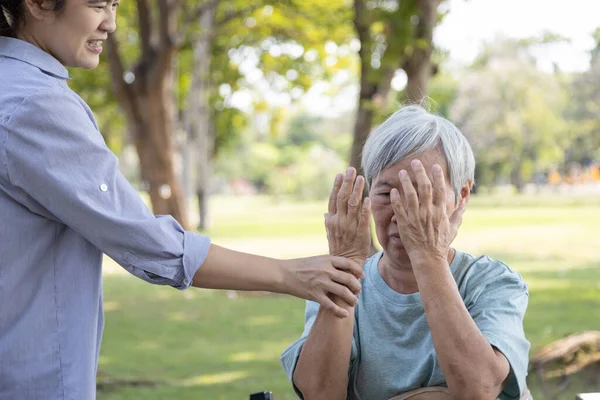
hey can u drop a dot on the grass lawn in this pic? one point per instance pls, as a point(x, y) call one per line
point(197, 344)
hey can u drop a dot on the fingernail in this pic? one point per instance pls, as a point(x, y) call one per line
point(415, 163)
point(349, 172)
point(403, 172)
point(437, 168)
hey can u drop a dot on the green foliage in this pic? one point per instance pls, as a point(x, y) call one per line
point(583, 114)
point(512, 114)
point(309, 176)
point(443, 89)
point(302, 130)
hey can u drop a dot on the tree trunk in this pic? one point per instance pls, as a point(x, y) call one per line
point(145, 93)
point(198, 117)
point(362, 128)
point(418, 66)
point(154, 143)
point(516, 176)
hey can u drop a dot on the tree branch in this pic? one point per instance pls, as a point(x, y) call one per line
point(168, 13)
point(235, 14)
point(168, 40)
point(195, 14)
point(117, 70)
point(123, 92)
point(145, 22)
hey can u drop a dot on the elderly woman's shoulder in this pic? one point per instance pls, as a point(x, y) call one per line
point(473, 272)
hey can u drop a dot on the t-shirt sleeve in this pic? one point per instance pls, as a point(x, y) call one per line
point(498, 311)
point(289, 357)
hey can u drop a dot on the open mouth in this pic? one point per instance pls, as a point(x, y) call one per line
point(95, 45)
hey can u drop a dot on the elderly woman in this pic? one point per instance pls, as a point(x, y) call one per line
point(428, 315)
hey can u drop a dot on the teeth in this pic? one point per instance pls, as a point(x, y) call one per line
point(95, 42)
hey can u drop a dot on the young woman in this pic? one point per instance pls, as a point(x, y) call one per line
point(63, 203)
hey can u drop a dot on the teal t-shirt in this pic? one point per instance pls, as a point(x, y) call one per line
point(392, 350)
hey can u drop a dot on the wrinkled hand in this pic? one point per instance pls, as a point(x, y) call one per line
point(423, 224)
point(348, 219)
point(324, 278)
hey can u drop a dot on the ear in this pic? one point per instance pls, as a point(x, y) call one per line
point(465, 193)
point(40, 9)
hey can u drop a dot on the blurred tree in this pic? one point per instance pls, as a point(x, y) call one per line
point(393, 35)
point(214, 41)
point(236, 44)
point(583, 112)
point(302, 130)
point(511, 113)
point(443, 89)
point(142, 82)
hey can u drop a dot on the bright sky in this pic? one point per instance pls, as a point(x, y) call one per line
point(471, 22)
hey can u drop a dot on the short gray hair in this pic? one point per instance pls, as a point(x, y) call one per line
point(411, 131)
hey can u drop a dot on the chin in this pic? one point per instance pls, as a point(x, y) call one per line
point(91, 64)
point(85, 61)
point(397, 254)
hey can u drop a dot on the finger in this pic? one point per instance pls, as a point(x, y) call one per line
point(457, 217)
point(423, 182)
point(348, 280)
point(344, 194)
point(411, 200)
point(439, 186)
point(355, 197)
point(398, 206)
point(328, 304)
point(364, 223)
point(344, 264)
point(337, 182)
point(326, 220)
point(342, 292)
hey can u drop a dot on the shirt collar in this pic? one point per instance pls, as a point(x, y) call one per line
point(31, 54)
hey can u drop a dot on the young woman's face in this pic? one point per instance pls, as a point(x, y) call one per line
point(75, 35)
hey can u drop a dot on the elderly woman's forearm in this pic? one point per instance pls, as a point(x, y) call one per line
point(471, 366)
point(322, 369)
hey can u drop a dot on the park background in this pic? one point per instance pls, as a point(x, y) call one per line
point(234, 116)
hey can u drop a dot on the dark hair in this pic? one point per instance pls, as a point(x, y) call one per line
point(12, 15)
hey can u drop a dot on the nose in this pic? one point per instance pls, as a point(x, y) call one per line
point(110, 22)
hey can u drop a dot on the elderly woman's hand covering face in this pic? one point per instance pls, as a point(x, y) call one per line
point(426, 229)
point(348, 218)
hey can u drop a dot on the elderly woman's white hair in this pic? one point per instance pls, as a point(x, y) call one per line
point(411, 131)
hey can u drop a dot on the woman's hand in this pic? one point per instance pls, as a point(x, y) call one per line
point(423, 224)
point(348, 219)
point(325, 280)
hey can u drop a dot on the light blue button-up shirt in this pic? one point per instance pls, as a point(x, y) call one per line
point(63, 202)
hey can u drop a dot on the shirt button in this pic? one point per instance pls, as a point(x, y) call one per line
point(186, 282)
point(103, 187)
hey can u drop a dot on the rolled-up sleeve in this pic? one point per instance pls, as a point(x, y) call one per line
point(58, 158)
